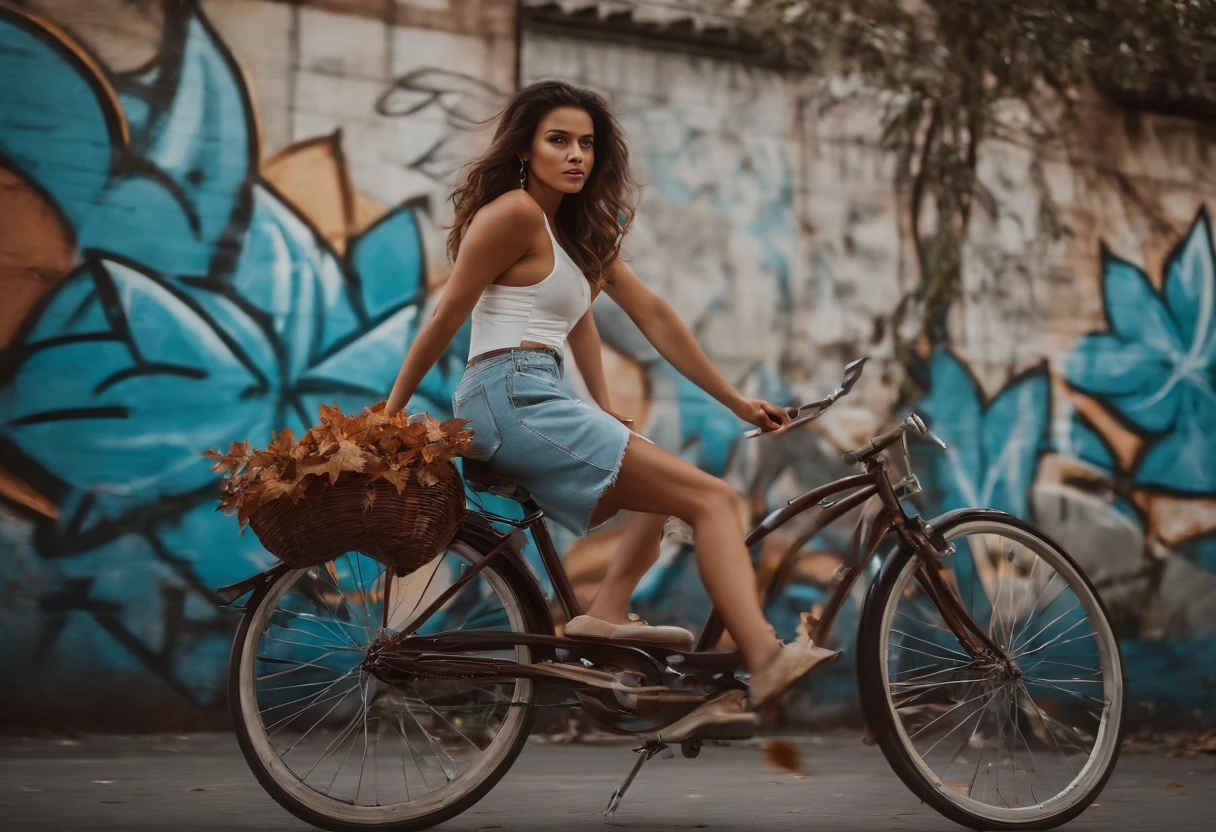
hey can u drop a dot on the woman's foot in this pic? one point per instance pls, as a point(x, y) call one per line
point(792, 662)
point(588, 626)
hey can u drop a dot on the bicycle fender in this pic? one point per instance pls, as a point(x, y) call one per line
point(230, 593)
point(893, 563)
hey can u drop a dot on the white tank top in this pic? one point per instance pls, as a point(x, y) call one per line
point(545, 312)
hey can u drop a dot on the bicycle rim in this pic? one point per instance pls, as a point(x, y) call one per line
point(347, 750)
point(1025, 749)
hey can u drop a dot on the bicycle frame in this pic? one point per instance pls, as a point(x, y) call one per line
point(868, 534)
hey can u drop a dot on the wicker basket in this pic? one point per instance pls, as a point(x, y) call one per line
point(403, 530)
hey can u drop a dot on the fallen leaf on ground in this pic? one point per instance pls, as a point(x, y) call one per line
point(196, 789)
point(781, 754)
point(111, 801)
point(1175, 785)
point(103, 782)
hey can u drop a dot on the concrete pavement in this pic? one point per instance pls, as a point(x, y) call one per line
point(200, 782)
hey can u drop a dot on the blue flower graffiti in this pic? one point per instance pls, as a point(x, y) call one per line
point(203, 309)
point(994, 447)
point(1155, 365)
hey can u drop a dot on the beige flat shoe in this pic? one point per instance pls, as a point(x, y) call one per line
point(584, 626)
point(791, 664)
point(724, 717)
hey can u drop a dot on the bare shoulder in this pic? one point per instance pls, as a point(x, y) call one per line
point(511, 214)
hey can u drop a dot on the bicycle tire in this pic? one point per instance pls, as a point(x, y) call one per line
point(536, 619)
point(880, 715)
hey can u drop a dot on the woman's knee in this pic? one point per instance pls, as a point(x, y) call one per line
point(714, 499)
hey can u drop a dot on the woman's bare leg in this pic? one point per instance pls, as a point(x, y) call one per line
point(636, 552)
point(656, 481)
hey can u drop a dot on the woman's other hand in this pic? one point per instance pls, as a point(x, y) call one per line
point(762, 414)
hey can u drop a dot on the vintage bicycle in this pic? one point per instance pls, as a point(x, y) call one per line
point(987, 666)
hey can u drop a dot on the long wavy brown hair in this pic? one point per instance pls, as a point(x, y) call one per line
point(593, 221)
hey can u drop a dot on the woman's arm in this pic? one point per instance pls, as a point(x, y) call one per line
point(584, 341)
point(676, 343)
point(499, 235)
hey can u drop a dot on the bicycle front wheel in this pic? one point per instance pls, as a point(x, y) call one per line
point(988, 746)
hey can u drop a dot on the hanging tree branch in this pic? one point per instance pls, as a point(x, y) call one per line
point(961, 62)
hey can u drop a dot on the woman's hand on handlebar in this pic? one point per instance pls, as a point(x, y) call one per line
point(764, 415)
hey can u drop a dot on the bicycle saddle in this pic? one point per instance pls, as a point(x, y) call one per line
point(484, 481)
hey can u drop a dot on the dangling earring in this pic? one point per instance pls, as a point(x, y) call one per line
point(523, 174)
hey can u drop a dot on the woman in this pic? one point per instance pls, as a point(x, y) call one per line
point(536, 237)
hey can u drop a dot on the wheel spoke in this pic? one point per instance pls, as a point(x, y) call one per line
point(1053, 621)
point(963, 656)
point(444, 719)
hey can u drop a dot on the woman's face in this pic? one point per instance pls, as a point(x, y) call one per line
point(563, 150)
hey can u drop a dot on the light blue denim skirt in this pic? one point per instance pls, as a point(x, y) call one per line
point(531, 431)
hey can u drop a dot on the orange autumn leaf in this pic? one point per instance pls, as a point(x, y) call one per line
point(781, 754)
point(338, 457)
point(397, 478)
point(434, 430)
point(282, 488)
point(372, 444)
point(331, 414)
point(281, 443)
point(233, 461)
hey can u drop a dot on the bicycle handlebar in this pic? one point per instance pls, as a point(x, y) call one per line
point(818, 408)
point(875, 445)
point(886, 440)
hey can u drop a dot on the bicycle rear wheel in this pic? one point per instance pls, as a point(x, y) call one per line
point(343, 750)
point(986, 747)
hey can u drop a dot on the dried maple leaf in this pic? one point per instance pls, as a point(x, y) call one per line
point(427, 475)
point(453, 428)
point(282, 443)
point(345, 456)
point(781, 754)
point(434, 430)
point(414, 436)
point(247, 503)
point(389, 445)
point(376, 465)
point(331, 414)
point(233, 461)
point(397, 478)
point(275, 488)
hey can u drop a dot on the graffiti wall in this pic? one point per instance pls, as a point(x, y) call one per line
point(216, 217)
point(219, 214)
point(1077, 388)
